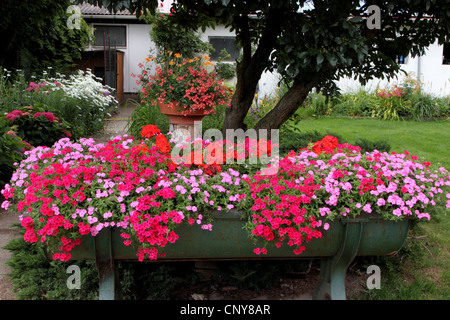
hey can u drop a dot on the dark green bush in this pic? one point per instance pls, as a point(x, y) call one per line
point(37, 125)
point(369, 146)
point(34, 277)
point(214, 120)
point(294, 140)
point(11, 151)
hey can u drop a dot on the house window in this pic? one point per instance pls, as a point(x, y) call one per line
point(227, 43)
point(110, 35)
point(446, 53)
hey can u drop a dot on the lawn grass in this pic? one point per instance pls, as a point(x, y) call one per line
point(422, 268)
point(429, 140)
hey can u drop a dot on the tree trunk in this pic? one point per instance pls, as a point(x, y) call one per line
point(286, 106)
point(250, 69)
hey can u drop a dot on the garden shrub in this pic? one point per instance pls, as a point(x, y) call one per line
point(35, 277)
point(37, 125)
point(214, 120)
point(368, 146)
point(443, 105)
point(12, 89)
point(359, 104)
point(79, 99)
point(391, 105)
point(172, 37)
point(319, 103)
point(259, 108)
point(11, 151)
point(425, 107)
point(225, 71)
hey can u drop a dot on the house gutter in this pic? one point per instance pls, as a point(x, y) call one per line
point(419, 67)
point(102, 16)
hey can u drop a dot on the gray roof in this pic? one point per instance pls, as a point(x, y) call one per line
point(89, 9)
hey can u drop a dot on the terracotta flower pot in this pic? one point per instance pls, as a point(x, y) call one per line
point(177, 117)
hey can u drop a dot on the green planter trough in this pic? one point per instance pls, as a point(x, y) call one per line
point(345, 239)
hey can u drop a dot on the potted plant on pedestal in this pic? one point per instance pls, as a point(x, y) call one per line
point(183, 89)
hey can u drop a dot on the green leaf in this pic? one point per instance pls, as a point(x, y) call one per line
point(305, 28)
point(332, 59)
point(303, 55)
point(356, 19)
point(319, 59)
point(360, 56)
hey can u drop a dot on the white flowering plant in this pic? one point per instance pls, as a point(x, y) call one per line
point(80, 99)
point(85, 85)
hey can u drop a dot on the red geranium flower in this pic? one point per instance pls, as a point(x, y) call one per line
point(161, 143)
point(149, 131)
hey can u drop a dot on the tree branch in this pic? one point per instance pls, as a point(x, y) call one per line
point(286, 106)
point(293, 98)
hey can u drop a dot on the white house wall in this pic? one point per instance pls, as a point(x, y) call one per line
point(139, 49)
point(433, 75)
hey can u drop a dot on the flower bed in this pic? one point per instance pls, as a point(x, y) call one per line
point(136, 186)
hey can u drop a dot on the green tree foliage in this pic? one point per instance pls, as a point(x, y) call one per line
point(35, 35)
point(172, 37)
point(310, 43)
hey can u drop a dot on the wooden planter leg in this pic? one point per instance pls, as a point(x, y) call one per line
point(107, 271)
point(331, 281)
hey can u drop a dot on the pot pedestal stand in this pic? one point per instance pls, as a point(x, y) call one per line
point(331, 281)
point(182, 126)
